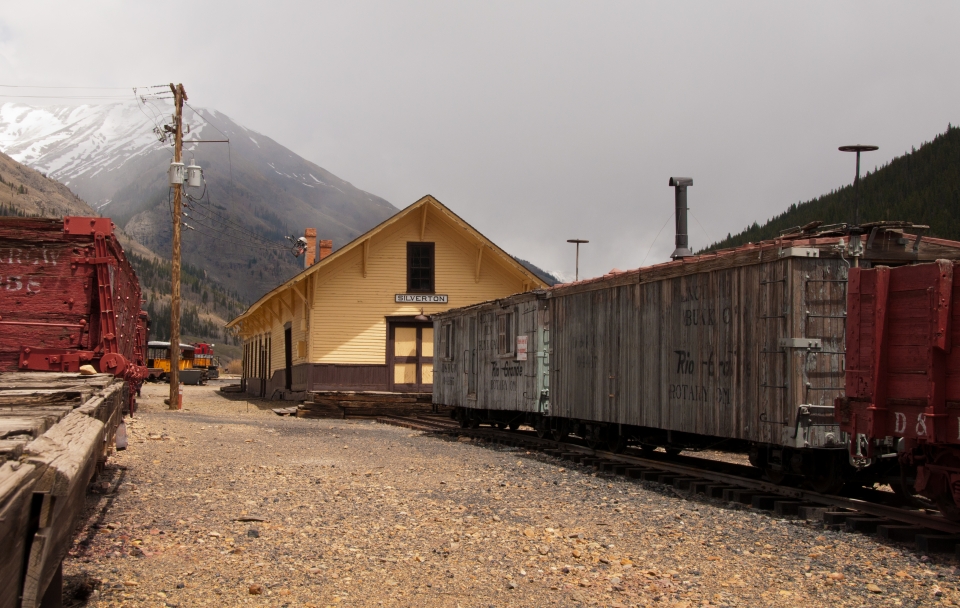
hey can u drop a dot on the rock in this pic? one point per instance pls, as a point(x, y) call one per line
point(255, 589)
point(529, 532)
point(253, 533)
point(874, 589)
point(87, 370)
point(577, 553)
point(511, 585)
point(836, 576)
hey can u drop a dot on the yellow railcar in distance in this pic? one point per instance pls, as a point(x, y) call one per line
point(158, 358)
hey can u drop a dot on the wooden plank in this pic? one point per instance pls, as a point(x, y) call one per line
point(10, 449)
point(33, 426)
point(68, 455)
point(16, 493)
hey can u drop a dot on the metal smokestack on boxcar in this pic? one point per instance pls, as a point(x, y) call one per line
point(683, 246)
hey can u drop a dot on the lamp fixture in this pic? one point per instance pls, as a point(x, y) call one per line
point(421, 317)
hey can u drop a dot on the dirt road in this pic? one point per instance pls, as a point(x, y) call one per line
point(225, 503)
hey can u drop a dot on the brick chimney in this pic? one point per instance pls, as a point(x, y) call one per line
point(326, 248)
point(310, 234)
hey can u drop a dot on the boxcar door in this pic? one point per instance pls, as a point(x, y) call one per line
point(471, 357)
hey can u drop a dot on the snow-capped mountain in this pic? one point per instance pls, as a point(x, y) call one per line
point(71, 143)
point(111, 156)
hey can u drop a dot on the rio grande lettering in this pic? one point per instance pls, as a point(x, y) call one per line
point(507, 370)
point(687, 365)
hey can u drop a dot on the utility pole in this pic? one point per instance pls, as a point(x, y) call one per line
point(179, 96)
point(578, 242)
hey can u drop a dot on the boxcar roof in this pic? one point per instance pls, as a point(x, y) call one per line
point(829, 240)
point(825, 238)
point(156, 344)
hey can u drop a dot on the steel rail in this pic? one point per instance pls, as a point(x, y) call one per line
point(911, 517)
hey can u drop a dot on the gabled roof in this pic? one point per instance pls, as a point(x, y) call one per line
point(426, 201)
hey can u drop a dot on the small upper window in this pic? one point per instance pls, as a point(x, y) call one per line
point(420, 268)
point(446, 341)
point(505, 333)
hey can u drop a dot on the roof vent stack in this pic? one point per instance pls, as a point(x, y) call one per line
point(682, 242)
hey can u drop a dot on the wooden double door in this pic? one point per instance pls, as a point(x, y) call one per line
point(410, 356)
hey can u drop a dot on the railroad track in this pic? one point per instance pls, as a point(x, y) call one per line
point(929, 531)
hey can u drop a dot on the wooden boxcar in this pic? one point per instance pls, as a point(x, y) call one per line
point(494, 356)
point(742, 348)
point(903, 375)
point(69, 297)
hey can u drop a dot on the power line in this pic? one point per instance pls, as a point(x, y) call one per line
point(210, 122)
point(655, 239)
point(264, 244)
point(244, 230)
point(30, 86)
point(64, 96)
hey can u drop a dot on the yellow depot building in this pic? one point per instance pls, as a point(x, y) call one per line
point(356, 319)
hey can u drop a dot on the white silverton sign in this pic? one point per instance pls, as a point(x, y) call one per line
point(420, 298)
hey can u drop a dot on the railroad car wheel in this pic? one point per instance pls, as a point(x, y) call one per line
point(594, 436)
point(777, 477)
point(948, 507)
point(673, 451)
point(616, 442)
point(648, 448)
point(560, 431)
point(541, 428)
point(501, 425)
point(514, 426)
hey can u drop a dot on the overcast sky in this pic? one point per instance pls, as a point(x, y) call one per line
point(537, 121)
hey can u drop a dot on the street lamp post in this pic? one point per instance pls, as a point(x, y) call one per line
point(577, 241)
point(856, 182)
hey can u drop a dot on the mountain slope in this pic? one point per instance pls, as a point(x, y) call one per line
point(207, 305)
point(257, 191)
point(922, 186)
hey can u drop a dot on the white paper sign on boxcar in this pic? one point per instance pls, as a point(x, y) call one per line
point(521, 348)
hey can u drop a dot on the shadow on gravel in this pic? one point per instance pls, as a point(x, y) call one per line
point(78, 588)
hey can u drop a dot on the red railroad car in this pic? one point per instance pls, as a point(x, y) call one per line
point(903, 374)
point(69, 297)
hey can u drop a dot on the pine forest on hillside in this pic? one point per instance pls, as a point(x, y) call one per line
point(922, 187)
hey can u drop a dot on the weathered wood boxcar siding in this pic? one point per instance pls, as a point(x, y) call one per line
point(503, 382)
point(819, 312)
point(702, 353)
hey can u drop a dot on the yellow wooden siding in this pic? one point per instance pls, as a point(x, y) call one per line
point(348, 318)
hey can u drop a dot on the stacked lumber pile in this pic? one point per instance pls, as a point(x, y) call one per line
point(366, 404)
point(55, 430)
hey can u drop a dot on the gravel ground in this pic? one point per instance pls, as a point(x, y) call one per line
point(359, 513)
